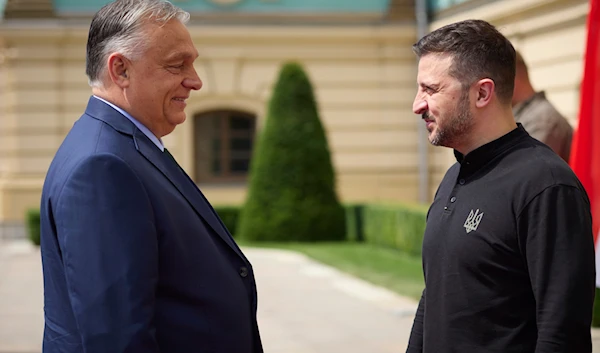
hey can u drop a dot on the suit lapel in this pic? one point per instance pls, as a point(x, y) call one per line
point(169, 167)
point(187, 188)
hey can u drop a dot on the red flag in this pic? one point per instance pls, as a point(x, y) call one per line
point(585, 150)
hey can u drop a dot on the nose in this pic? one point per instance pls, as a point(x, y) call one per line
point(419, 105)
point(193, 81)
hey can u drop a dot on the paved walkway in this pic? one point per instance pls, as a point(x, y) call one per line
point(21, 306)
point(304, 307)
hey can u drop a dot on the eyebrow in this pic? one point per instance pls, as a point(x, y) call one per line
point(182, 56)
point(429, 85)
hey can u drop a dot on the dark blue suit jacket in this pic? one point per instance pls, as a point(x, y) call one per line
point(134, 257)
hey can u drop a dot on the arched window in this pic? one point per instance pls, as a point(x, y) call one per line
point(223, 145)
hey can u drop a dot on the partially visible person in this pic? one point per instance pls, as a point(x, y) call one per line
point(135, 259)
point(508, 250)
point(538, 116)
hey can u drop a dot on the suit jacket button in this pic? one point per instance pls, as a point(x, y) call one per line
point(244, 271)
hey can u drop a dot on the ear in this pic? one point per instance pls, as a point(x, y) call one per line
point(485, 90)
point(118, 69)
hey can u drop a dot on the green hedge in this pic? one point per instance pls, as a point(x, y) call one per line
point(354, 230)
point(32, 219)
point(396, 226)
point(229, 215)
point(354, 222)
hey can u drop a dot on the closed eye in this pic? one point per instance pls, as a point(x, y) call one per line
point(428, 88)
point(175, 69)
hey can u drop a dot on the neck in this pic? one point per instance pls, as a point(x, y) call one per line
point(107, 95)
point(117, 98)
point(488, 128)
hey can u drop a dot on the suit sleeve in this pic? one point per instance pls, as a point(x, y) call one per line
point(415, 342)
point(107, 236)
point(555, 232)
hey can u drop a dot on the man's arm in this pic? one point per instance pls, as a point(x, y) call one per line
point(415, 343)
point(107, 236)
point(555, 232)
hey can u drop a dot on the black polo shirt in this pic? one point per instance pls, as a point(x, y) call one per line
point(508, 255)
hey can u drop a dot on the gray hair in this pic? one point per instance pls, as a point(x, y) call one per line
point(117, 27)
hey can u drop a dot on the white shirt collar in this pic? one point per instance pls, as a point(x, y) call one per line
point(139, 125)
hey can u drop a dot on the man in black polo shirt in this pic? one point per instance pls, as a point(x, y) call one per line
point(508, 252)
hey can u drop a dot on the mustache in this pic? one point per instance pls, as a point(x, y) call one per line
point(426, 116)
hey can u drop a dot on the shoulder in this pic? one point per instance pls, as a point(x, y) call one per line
point(100, 168)
point(90, 149)
point(539, 111)
point(545, 110)
point(90, 137)
point(535, 167)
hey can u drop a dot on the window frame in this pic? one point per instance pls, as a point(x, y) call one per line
point(226, 134)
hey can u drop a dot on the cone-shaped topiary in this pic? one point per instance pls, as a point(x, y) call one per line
point(291, 195)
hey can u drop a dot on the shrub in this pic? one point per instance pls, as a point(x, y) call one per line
point(397, 226)
point(32, 220)
point(291, 195)
point(354, 214)
point(229, 215)
point(354, 222)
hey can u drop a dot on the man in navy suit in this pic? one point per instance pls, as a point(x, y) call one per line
point(134, 257)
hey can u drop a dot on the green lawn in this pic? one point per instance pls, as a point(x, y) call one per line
point(388, 268)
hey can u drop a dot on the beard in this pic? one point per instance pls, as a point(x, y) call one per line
point(457, 124)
